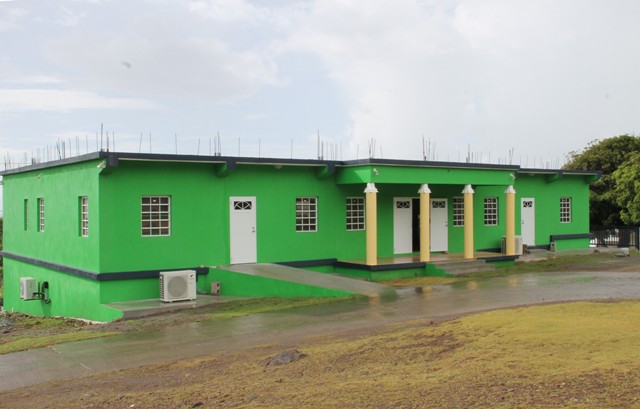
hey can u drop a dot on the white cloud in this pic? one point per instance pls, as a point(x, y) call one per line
point(68, 17)
point(274, 15)
point(34, 79)
point(544, 76)
point(493, 74)
point(160, 55)
point(57, 100)
point(11, 17)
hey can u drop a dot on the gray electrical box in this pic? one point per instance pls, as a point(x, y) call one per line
point(215, 288)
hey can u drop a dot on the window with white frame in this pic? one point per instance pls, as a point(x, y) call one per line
point(306, 214)
point(41, 214)
point(156, 215)
point(565, 210)
point(458, 211)
point(355, 213)
point(490, 211)
point(84, 216)
point(26, 214)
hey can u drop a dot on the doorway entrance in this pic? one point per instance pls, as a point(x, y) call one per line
point(242, 229)
point(406, 225)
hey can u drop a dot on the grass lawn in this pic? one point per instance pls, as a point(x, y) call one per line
point(579, 355)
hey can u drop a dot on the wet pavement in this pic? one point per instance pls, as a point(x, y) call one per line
point(288, 327)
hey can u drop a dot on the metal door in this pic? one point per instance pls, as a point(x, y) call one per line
point(242, 229)
point(402, 225)
point(439, 225)
point(528, 221)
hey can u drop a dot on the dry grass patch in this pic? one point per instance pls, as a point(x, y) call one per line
point(26, 332)
point(582, 355)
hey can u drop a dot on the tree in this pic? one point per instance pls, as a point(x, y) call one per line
point(608, 155)
point(627, 191)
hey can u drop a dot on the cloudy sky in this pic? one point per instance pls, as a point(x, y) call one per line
point(528, 79)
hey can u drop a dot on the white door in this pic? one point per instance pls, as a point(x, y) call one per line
point(242, 229)
point(439, 225)
point(402, 225)
point(528, 221)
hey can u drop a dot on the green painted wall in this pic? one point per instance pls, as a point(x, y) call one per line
point(418, 175)
point(127, 290)
point(572, 244)
point(547, 206)
point(200, 215)
point(197, 212)
point(71, 296)
point(60, 242)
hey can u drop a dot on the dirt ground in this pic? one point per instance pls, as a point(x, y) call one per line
point(581, 355)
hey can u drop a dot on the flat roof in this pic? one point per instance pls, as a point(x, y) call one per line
point(114, 157)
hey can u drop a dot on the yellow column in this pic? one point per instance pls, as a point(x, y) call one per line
point(371, 222)
point(425, 225)
point(468, 221)
point(511, 221)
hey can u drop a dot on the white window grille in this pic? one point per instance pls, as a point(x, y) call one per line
point(458, 211)
point(355, 213)
point(156, 215)
point(403, 204)
point(84, 216)
point(565, 210)
point(527, 203)
point(41, 214)
point(307, 214)
point(490, 211)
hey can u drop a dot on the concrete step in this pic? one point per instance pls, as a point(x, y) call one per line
point(464, 267)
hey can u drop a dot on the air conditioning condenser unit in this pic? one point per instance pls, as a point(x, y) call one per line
point(518, 245)
point(177, 285)
point(27, 288)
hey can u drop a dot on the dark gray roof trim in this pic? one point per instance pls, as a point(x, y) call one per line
point(51, 164)
point(113, 158)
point(561, 171)
point(428, 164)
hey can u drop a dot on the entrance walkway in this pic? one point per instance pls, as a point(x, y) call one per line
point(312, 278)
point(289, 327)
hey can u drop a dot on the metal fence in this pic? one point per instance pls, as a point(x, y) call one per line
point(615, 236)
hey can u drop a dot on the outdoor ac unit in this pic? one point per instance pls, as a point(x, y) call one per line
point(519, 248)
point(27, 288)
point(518, 240)
point(177, 285)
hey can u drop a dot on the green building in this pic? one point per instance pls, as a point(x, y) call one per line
point(100, 228)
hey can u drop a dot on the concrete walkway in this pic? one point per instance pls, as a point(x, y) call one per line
point(291, 326)
point(313, 278)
